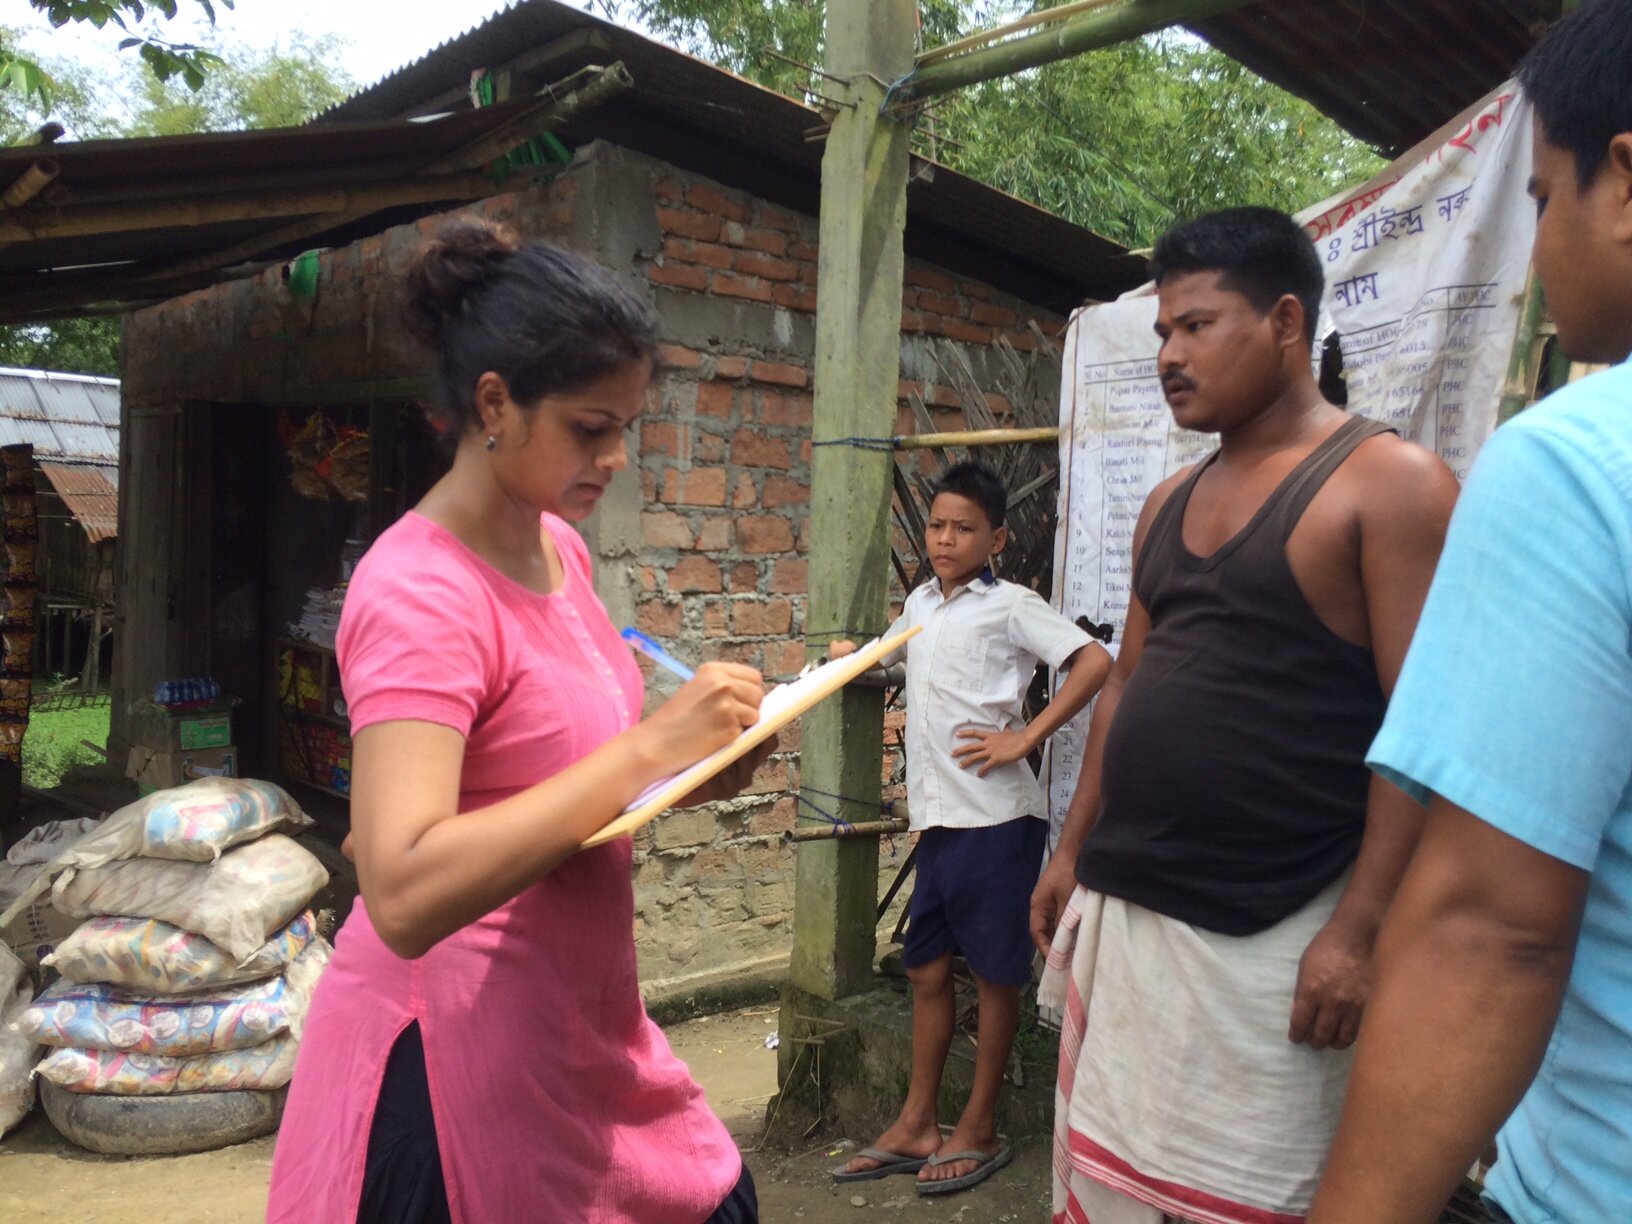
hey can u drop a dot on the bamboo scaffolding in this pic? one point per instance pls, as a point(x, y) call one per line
point(1091, 29)
point(974, 437)
point(834, 832)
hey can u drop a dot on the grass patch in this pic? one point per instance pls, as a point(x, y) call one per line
point(53, 744)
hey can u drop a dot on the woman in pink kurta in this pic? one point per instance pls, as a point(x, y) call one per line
point(478, 1050)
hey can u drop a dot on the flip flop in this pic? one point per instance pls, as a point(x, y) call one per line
point(889, 1163)
point(989, 1163)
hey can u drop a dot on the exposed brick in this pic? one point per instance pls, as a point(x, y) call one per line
point(707, 253)
point(912, 321)
point(956, 329)
point(775, 820)
point(993, 316)
point(793, 297)
point(648, 578)
point(753, 449)
point(752, 263)
point(780, 491)
point(679, 275)
point(730, 367)
point(764, 533)
point(695, 574)
point(767, 241)
point(776, 218)
point(648, 486)
point(928, 278)
point(716, 619)
point(703, 487)
point(706, 199)
point(744, 578)
point(938, 396)
point(780, 373)
point(762, 618)
point(726, 284)
point(1051, 327)
point(1023, 340)
point(771, 779)
point(942, 304)
point(658, 618)
point(689, 224)
point(715, 534)
point(786, 408)
point(999, 404)
point(691, 827)
point(744, 495)
point(671, 191)
point(665, 529)
point(708, 448)
point(749, 654)
point(678, 357)
point(660, 438)
point(784, 658)
point(974, 289)
point(715, 399)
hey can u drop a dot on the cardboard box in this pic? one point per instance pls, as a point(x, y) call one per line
point(153, 771)
point(160, 730)
point(36, 931)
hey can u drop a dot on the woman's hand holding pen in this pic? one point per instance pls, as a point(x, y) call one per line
point(704, 715)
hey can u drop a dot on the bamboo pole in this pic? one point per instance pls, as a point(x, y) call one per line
point(1524, 363)
point(73, 222)
point(833, 832)
point(984, 38)
point(30, 182)
point(975, 437)
point(1094, 28)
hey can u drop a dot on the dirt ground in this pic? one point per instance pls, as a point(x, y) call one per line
point(44, 1179)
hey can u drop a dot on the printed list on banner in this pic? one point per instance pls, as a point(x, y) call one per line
point(1425, 276)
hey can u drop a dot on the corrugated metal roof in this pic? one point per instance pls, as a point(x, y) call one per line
point(55, 272)
point(706, 119)
point(91, 495)
point(62, 416)
point(1390, 71)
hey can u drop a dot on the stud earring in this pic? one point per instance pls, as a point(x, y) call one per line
point(492, 441)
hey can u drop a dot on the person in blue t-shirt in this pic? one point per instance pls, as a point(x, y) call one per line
point(1503, 993)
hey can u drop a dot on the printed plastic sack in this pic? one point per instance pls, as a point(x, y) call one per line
point(192, 823)
point(150, 957)
point(102, 1017)
point(235, 903)
point(119, 1074)
point(18, 1054)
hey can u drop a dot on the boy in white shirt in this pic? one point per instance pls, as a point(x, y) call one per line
point(980, 815)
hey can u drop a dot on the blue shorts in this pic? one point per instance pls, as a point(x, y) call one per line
point(973, 898)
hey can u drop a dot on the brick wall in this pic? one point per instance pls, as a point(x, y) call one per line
point(702, 543)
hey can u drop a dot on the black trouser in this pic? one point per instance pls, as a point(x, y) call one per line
point(402, 1178)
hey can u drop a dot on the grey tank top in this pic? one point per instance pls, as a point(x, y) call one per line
point(1234, 786)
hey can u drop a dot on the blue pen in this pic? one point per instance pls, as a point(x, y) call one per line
point(656, 653)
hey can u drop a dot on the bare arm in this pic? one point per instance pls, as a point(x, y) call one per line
point(426, 869)
point(1048, 899)
point(1088, 666)
point(1409, 495)
point(1472, 965)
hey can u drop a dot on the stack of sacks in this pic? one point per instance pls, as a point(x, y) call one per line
point(195, 968)
point(18, 1054)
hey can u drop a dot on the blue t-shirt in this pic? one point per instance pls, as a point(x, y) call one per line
point(1515, 703)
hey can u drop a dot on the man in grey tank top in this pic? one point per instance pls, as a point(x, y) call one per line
point(1210, 912)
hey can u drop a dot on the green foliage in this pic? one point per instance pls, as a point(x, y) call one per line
point(164, 59)
point(1125, 140)
point(52, 745)
point(279, 87)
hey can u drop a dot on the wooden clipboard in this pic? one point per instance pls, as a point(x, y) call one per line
point(800, 696)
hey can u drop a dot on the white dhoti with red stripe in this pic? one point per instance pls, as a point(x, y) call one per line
point(1178, 1089)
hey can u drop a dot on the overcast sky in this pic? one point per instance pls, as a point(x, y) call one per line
point(382, 35)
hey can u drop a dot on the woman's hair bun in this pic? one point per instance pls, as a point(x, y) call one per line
point(461, 257)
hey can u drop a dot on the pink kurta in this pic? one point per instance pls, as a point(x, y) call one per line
point(556, 1098)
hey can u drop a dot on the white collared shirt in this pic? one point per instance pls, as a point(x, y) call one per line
point(970, 667)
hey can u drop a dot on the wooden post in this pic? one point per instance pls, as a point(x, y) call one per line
point(858, 359)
